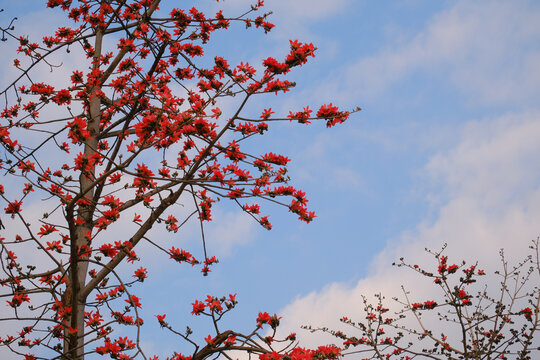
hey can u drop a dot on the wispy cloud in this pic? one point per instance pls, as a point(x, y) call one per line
point(488, 50)
point(230, 229)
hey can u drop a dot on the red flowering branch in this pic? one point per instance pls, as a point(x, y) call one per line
point(465, 320)
point(227, 343)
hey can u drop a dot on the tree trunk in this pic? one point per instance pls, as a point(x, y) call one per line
point(79, 264)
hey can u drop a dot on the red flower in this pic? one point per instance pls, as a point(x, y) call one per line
point(527, 312)
point(54, 245)
point(210, 340)
point(94, 320)
point(266, 114)
point(327, 111)
point(301, 116)
point(101, 297)
point(276, 159)
point(13, 208)
point(77, 130)
point(26, 166)
point(133, 301)
point(275, 356)
point(429, 305)
point(231, 340)
point(161, 319)
point(77, 77)
point(126, 45)
point(108, 250)
point(198, 307)
point(299, 53)
point(46, 230)
point(140, 274)
point(277, 85)
point(181, 255)
point(62, 97)
point(214, 304)
point(112, 348)
point(18, 299)
point(263, 318)
point(332, 114)
point(331, 351)
point(275, 67)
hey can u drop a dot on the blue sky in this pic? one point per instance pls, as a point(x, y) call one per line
point(444, 151)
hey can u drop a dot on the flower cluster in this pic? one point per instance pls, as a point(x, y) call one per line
point(213, 304)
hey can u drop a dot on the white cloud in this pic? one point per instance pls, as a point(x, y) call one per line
point(498, 156)
point(492, 183)
point(228, 230)
point(487, 49)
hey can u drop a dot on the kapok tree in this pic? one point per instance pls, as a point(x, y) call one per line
point(468, 315)
point(134, 130)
